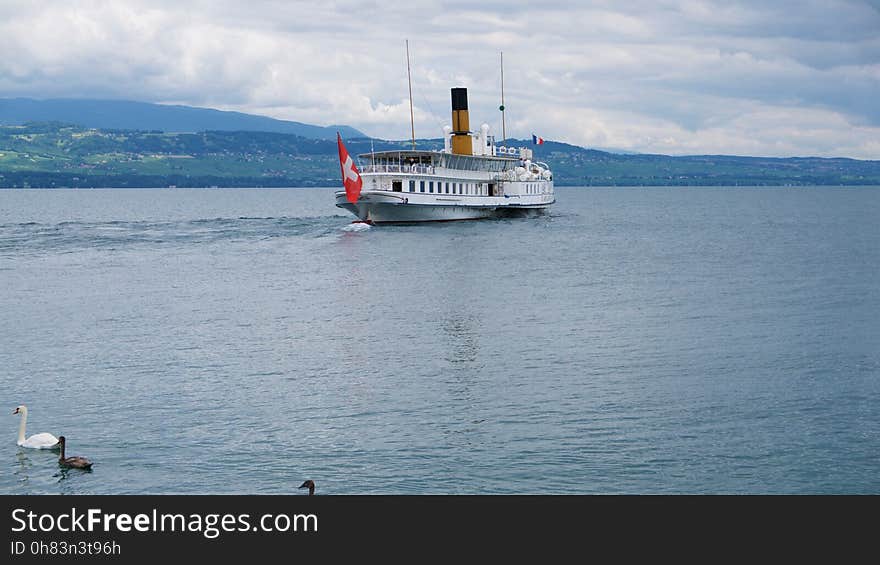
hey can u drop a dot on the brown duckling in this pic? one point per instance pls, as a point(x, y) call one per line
point(310, 484)
point(75, 462)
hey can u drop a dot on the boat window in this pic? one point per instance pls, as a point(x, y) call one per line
point(421, 186)
point(412, 186)
point(431, 186)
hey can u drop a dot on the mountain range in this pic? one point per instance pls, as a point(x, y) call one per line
point(130, 115)
point(91, 143)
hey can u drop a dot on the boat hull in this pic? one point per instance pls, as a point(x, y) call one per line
point(384, 207)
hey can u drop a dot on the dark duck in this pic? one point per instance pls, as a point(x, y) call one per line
point(74, 462)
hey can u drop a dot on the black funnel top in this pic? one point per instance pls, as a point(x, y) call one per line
point(459, 99)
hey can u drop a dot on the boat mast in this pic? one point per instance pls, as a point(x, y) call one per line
point(412, 121)
point(503, 131)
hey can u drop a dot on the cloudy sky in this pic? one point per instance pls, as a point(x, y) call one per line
point(770, 78)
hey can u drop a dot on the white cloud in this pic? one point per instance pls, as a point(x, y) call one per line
point(674, 77)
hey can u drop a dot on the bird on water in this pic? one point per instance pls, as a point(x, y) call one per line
point(310, 484)
point(75, 462)
point(36, 441)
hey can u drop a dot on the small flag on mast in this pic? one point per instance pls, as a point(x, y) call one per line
point(537, 140)
point(351, 178)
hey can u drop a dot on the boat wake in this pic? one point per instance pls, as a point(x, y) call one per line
point(357, 226)
point(36, 238)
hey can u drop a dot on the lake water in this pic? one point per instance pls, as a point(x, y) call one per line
point(635, 340)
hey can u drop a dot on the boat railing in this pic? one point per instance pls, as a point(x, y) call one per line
point(395, 168)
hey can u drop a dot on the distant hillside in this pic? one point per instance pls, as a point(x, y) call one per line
point(123, 114)
point(59, 155)
point(588, 167)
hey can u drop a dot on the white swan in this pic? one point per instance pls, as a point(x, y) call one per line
point(36, 441)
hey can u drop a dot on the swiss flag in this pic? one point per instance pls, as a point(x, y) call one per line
point(351, 178)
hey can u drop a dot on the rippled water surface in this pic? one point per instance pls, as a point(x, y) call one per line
point(684, 340)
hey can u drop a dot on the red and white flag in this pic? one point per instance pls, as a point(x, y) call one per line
point(351, 178)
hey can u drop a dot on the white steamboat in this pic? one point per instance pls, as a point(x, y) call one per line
point(470, 178)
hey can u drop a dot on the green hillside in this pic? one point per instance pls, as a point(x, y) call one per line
point(59, 155)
